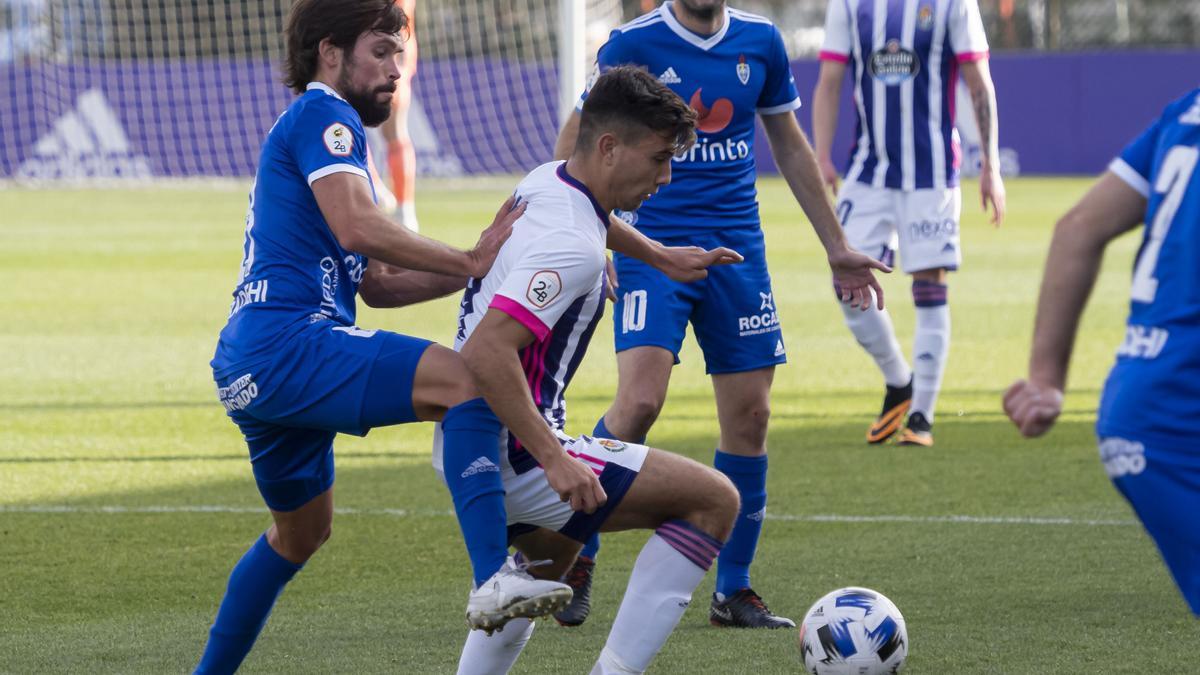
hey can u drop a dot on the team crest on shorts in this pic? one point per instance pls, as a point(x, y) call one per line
point(743, 69)
point(610, 445)
point(338, 139)
point(543, 288)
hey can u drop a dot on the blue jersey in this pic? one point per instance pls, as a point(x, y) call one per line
point(726, 77)
point(904, 57)
point(1153, 391)
point(293, 269)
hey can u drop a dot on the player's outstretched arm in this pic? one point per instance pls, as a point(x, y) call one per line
point(978, 77)
point(492, 356)
point(853, 272)
point(1110, 208)
point(385, 285)
point(359, 226)
point(680, 263)
point(826, 98)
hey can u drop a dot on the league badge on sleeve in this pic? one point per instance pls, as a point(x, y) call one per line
point(338, 139)
point(743, 69)
point(544, 287)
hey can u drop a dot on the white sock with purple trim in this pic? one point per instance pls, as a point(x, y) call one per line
point(667, 570)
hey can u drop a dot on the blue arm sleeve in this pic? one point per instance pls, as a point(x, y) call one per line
point(617, 51)
point(779, 91)
point(326, 138)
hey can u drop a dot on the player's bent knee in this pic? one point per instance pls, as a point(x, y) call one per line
point(300, 544)
point(713, 503)
point(641, 412)
point(725, 503)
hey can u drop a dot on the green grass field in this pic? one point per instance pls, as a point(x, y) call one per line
point(126, 497)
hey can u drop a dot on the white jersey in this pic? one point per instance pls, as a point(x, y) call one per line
point(904, 57)
point(549, 276)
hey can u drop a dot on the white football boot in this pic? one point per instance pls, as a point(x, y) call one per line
point(511, 593)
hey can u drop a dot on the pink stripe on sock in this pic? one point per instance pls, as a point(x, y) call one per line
point(698, 558)
point(693, 544)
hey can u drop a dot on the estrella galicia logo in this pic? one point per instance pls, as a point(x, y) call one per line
point(544, 287)
point(893, 65)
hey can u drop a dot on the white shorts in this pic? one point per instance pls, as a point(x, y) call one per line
point(923, 224)
point(531, 502)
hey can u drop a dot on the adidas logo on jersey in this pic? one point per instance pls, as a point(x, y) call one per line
point(87, 142)
point(669, 77)
point(481, 465)
point(779, 350)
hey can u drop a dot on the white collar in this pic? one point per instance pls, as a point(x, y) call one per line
point(679, 29)
point(325, 88)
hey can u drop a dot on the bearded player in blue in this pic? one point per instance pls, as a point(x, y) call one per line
point(729, 65)
point(293, 370)
point(1149, 415)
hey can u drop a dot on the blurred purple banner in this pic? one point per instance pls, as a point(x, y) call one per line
point(1059, 114)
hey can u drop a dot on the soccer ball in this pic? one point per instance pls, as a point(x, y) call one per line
point(853, 631)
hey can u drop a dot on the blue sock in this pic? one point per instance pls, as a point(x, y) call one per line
point(601, 431)
point(591, 547)
point(471, 461)
point(254, 584)
point(749, 475)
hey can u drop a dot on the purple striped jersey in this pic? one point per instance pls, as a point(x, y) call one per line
point(549, 276)
point(904, 57)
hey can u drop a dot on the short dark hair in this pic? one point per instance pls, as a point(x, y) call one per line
point(342, 21)
point(629, 100)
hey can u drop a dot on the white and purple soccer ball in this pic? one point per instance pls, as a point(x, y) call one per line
point(853, 631)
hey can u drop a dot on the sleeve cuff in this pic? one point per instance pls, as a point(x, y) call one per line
point(1127, 173)
point(827, 55)
point(522, 314)
point(336, 168)
point(782, 108)
point(966, 57)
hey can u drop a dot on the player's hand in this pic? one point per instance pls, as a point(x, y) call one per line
point(610, 279)
point(854, 279)
point(991, 189)
point(1032, 407)
point(490, 241)
point(691, 263)
point(575, 483)
point(829, 174)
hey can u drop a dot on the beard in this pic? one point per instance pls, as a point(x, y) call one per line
point(704, 12)
point(366, 101)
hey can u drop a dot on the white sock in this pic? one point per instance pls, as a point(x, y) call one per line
point(659, 591)
point(873, 330)
point(485, 654)
point(931, 344)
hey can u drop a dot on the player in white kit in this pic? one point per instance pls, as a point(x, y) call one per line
point(901, 187)
point(523, 330)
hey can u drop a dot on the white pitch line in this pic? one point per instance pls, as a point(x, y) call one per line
point(443, 513)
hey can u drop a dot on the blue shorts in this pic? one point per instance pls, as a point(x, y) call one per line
point(326, 379)
point(1162, 483)
point(732, 311)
